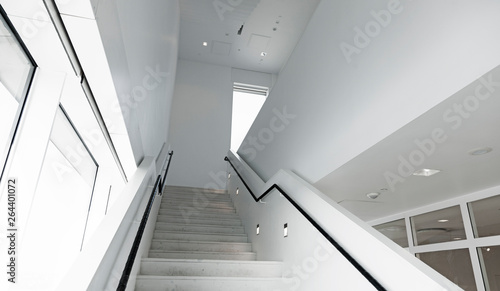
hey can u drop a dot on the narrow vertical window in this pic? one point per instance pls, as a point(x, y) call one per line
point(247, 102)
point(16, 72)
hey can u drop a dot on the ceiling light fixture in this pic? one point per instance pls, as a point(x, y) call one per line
point(443, 220)
point(263, 54)
point(373, 195)
point(205, 43)
point(425, 172)
point(480, 151)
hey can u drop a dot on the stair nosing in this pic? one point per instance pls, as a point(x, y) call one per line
point(201, 242)
point(201, 233)
point(159, 260)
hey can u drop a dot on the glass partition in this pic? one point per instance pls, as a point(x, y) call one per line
point(438, 226)
point(396, 231)
point(485, 216)
point(453, 264)
point(490, 266)
point(16, 72)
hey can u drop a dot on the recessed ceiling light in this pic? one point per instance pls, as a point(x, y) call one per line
point(480, 151)
point(205, 43)
point(373, 195)
point(443, 220)
point(263, 54)
point(425, 172)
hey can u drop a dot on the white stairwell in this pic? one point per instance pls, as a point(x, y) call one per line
point(199, 244)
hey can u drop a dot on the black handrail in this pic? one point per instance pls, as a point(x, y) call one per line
point(158, 188)
point(339, 248)
point(171, 153)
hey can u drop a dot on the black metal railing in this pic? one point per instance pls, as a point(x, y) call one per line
point(158, 188)
point(339, 248)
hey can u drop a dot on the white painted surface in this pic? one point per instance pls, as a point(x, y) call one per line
point(344, 108)
point(102, 262)
point(185, 257)
point(140, 42)
point(310, 262)
point(200, 124)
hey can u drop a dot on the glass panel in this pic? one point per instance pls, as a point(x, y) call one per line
point(485, 216)
point(438, 226)
point(246, 106)
point(490, 264)
point(454, 265)
point(16, 70)
point(396, 231)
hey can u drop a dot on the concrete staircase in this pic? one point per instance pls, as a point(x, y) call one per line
point(200, 244)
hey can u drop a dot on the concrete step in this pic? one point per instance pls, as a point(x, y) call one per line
point(217, 268)
point(197, 197)
point(193, 220)
point(190, 189)
point(202, 228)
point(185, 283)
point(197, 203)
point(168, 235)
point(199, 246)
point(234, 256)
point(190, 209)
point(199, 214)
point(207, 207)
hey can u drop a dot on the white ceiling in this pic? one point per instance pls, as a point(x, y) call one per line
point(461, 174)
point(271, 26)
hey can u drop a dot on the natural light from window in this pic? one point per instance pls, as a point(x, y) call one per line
point(246, 106)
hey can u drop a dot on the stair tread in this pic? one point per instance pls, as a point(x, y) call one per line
point(201, 261)
point(199, 242)
point(206, 278)
point(199, 225)
point(199, 233)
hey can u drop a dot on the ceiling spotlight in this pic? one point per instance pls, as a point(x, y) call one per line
point(373, 195)
point(426, 172)
point(480, 151)
point(443, 220)
point(205, 43)
point(263, 54)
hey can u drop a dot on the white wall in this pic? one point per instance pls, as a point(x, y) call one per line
point(338, 107)
point(200, 126)
point(141, 43)
point(310, 261)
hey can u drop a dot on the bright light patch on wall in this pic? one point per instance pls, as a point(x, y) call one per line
point(425, 172)
point(246, 105)
point(8, 111)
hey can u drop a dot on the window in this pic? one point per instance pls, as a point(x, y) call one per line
point(490, 265)
point(16, 73)
point(396, 231)
point(247, 102)
point(453, 264)
point(485, 216)
point(443, 225)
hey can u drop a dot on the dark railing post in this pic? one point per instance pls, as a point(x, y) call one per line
point(339, 248)
point(158, 188)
